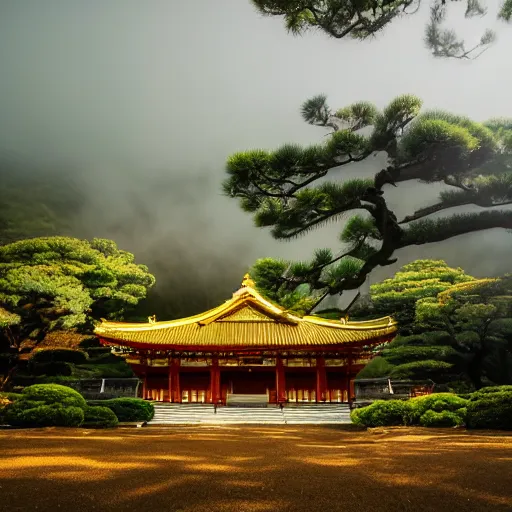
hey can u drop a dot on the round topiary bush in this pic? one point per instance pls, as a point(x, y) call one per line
point(26, 413)
point(493, 410)
point(437, 402)
point(128, 409)
point(440, 419)
point(54, 393)
point(381, 413)
point(99, 417)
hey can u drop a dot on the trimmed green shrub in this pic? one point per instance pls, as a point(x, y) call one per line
point(51, 369)
point(440, 419)
point(99, 417)
point(490, 390)
point(54, 393)
point(104, 370)
point(463, 388)
point(25, 413)
point(438, 338)
point(377, 367)
point(420, 369)
point(103, 358)
point(493, 411)
point(128, 409)
point(437, 402)
point(381, 413)
point(10, 396)
point(69, 416)
point(409, 354)
point(64, 355)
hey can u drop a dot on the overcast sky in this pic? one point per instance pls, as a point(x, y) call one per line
point(149, 98)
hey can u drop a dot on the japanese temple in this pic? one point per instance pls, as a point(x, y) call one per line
point(247, 346)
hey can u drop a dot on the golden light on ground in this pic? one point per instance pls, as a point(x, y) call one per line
point(245, 469)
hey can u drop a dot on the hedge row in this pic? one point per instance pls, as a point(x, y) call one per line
point(490, 408)
point(99, 417)
point(128, 409)
point(44, 405)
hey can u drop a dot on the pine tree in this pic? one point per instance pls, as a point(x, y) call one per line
point(278, 187)
point(363, 19)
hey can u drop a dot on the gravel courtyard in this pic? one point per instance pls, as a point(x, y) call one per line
point(196, 469)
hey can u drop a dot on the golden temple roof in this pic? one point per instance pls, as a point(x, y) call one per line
point(244, 321)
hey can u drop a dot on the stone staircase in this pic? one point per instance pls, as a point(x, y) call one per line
point(181, 414)
point(239, 400)
point(249, 416)
point(317, 414)
point(204, 414)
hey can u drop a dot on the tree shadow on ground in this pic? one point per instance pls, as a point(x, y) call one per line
point(254, 469)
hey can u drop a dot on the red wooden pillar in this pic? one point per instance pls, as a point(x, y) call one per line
point(349, 379)
point(174, 381)
point(321, 380)
point(170, 383)
point(280, 381)
point(215, 396)
point(144, 386)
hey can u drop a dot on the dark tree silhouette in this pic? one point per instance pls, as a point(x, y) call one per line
point(362, 19)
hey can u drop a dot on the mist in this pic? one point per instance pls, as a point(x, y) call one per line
point(142, 102)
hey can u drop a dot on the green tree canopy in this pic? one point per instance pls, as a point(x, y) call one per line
point(267, 272)
point(279, 187)
point(63, 283)
point(420, 279)
point(469, 312)
point(463, 335)
point(364, 19)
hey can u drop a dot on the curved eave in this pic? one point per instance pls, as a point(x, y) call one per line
point(379, 323)
point(247, 335)
point(226, 327)
point(302, 347)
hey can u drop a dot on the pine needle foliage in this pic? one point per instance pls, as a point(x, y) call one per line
point(293, 190)
point(362, 20)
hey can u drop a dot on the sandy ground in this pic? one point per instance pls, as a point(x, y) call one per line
point(272, 469)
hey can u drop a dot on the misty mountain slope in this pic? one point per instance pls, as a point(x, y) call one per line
point(36, 202)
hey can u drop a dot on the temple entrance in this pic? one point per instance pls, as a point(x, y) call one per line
point(301, 386)
point(194, 387)
point(248, 382)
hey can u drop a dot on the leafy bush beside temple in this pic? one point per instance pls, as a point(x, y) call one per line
point(488, 410)
point(128, 409)
point(99, 417)
point(44, 405)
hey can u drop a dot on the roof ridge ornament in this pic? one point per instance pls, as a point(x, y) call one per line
point(247, 282)
point(152, 319)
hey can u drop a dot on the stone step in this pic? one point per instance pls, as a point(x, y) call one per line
point(194, 414)
point(247, 400)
